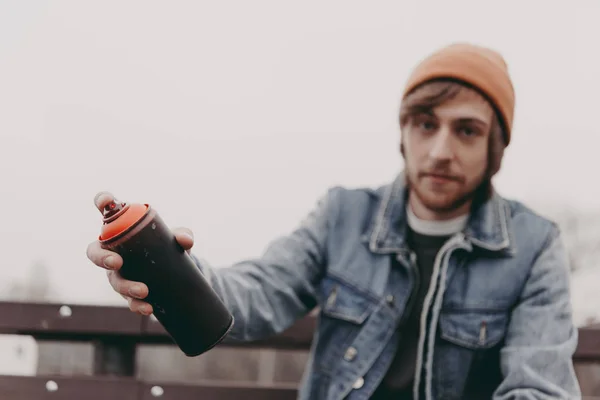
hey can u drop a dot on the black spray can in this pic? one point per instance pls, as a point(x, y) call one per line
point(183, 301)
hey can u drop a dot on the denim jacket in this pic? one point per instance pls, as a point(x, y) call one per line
point(496, 322)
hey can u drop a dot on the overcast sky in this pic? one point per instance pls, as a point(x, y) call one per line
point(232, 117)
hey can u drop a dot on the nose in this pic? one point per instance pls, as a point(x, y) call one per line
point(441, 145)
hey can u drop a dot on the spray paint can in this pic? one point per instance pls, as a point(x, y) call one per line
point(183, 300)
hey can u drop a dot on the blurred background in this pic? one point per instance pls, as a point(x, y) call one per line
point(232, 118)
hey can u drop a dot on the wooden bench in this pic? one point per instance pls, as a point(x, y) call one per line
point(115, 334)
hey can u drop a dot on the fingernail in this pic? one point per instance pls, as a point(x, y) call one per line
point(145, 310)
point(109, 262)
point(187, 235)
point(135, 291)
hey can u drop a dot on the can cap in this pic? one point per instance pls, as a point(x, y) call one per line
point(120, 216)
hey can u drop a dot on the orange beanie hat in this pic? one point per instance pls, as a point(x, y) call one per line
point(481, 67)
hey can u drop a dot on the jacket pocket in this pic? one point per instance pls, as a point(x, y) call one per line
point(344, 312)
point(346, 303)
point(476, 330)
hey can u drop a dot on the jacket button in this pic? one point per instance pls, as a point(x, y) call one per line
point(359, 383)
point(350, 354)
point(390, 299)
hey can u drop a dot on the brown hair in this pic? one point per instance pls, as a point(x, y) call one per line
point(434, 93)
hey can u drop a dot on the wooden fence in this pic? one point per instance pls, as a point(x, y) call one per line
point(115, 333)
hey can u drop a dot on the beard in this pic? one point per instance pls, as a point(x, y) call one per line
point(442, 199)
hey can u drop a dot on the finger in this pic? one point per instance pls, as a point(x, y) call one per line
point(139, 306)
point(185, 238)
point(125, 287)
point(102, 257)
point(102, 199)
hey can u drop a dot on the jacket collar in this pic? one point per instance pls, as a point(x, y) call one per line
point(488, 226)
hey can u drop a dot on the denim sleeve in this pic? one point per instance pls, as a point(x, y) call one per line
point(537, 361)
point(268, 294)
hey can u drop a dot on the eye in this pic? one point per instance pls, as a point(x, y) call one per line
point(427, 125)
point(468, 131)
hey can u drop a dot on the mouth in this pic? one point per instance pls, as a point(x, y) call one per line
point(441, 178)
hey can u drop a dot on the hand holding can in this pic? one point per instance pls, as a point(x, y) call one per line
point(181, 298)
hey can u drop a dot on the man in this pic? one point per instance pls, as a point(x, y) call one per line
point(431, 287)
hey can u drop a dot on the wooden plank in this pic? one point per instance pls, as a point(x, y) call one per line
point(67, 388)
point(55, 321)
point(89, 322)
point(299, 336)
point(588, 347)
point(67, 321)
point(220, 391)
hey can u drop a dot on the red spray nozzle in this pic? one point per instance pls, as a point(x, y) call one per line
point(119, 216)
point(113, 210)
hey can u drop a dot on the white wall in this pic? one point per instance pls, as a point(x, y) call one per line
point(232, 117)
